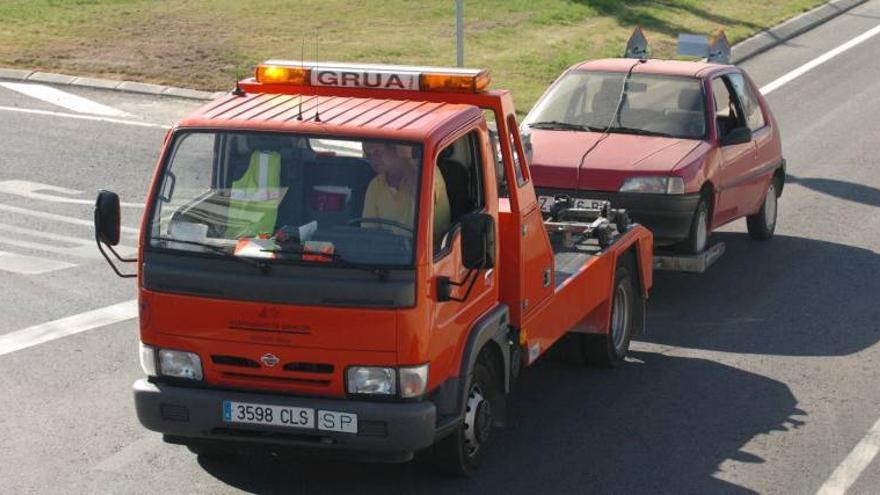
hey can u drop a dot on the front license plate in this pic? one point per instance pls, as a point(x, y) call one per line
point(547, 202)
point(337, 421)
point(263, 414)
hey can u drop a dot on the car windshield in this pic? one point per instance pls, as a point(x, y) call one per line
point(652, 105)
point(286, 197)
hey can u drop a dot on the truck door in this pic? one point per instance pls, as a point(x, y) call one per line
point(738, 160)
point(461, 166)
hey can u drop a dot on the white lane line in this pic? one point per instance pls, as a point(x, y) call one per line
point(38, 190)
point(94, 118)
point(851, 468)
point(30, 265)
point(64, 99)
point(45, 332)
point(129, 454)
point(59, 218)
point(821, 59)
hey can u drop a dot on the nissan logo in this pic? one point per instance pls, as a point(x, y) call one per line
point(269, 359)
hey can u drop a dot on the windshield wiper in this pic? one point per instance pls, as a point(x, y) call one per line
point(557, 125)
point(379, 271)
point(263, 265)
point(640, 132)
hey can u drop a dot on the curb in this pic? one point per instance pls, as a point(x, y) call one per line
point(740, 52)
point(795, 26)
point(107, 84)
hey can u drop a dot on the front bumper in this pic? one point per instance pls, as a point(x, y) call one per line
point(667, 216)
point(196, 413)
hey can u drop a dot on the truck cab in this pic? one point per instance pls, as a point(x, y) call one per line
point(345, 258)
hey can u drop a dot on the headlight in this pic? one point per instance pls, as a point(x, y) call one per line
point(654, 184)
point(180, 364)
point(148, 359)
point(371, 380)
point(413, 381)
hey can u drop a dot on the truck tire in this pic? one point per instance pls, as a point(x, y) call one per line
point(698, 235)
point(762, 225)
point(609, 350)
point(462, 452)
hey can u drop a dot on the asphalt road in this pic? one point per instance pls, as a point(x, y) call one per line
point(758, 376)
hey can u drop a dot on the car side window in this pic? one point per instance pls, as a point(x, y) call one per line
point(728, 114)
point(751, 108)
point(460, 166)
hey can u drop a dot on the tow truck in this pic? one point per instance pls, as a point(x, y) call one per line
point(280, 307)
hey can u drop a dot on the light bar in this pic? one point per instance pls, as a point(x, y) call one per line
point(373, 76)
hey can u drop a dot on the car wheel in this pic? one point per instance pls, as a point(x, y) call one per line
point(609, 350)
point(462, 452)
point(762, 225)
point(698, 236)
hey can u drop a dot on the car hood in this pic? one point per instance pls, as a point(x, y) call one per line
point(558, 158)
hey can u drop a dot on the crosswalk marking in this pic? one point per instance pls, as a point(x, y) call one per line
point(59, 218)
point(46, 192)
point(30, 265)
point(64, 99)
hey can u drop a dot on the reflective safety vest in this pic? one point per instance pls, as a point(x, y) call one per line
point(254, 198)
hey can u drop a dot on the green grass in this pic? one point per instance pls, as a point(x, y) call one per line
point(208, 44)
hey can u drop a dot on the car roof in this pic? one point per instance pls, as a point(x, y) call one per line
point(653, 66)
point(339, 115)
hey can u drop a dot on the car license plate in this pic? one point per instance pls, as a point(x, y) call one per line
point(263, 414)
point(547, 202)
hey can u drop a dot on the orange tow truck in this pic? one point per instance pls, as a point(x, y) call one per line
point(339, 257)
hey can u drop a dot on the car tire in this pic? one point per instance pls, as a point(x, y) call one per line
point(762, 225)
point(461, 453)
point(698, 235)
point(609, 350)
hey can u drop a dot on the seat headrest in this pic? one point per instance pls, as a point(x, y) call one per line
point(690, 100)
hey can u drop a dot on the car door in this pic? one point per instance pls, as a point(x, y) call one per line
point(756, 182)
point(738, 160)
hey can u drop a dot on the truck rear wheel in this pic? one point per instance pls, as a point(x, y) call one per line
point(762, 225)
point(462, 452)
point(609, 350)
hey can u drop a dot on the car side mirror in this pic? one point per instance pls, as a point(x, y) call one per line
point(107, 217)
point(477, 241)
point(737, 135)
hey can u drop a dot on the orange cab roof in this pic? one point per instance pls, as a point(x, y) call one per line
point(652, 66)
point(341, 115)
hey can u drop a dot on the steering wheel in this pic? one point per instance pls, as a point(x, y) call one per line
point(383, 221)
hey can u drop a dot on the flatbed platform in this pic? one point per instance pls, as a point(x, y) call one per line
point(694, 263)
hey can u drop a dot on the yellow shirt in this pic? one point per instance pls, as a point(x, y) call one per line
point(398, 204)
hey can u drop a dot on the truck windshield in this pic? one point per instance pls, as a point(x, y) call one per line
point(281, 197)
point(652, 105)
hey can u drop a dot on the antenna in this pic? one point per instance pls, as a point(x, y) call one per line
point(238, 91)
point(317, 97)
point(302, 64)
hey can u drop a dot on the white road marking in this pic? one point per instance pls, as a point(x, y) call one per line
point(32, 190)
point(812, 64)
point(851, 468)
point(130, 453)
point(60, 218)
point(64, 99)
point(30, 265)
point(81, 248)
point(45, 332)
point(94, 118)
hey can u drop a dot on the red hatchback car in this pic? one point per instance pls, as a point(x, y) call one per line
point(685, 147)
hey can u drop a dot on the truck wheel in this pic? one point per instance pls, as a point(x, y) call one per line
point(609, 350)
point(698, 236)
point(461, 453)
point(762, 225)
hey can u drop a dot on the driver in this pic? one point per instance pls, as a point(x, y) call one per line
point(392, 192)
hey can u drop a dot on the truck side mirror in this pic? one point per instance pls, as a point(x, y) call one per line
point(737, 135)
point(477, 241)
point(107, 217)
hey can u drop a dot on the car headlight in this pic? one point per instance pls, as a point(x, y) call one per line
point(148, 359)
point(413, 381)
point(654, 184)
point(180, 364)
point(371, 380)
